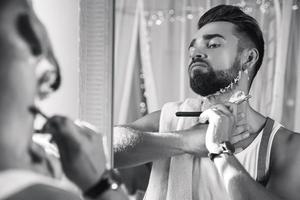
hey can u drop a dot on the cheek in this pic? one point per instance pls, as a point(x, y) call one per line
point(222, 60)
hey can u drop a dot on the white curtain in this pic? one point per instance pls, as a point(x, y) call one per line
point(163, 38)
point(126, 34)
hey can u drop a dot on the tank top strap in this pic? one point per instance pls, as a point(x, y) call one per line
point(262, 176)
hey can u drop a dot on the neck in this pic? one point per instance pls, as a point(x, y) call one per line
point(254, 119)
point(221, 97)
point(15, 135)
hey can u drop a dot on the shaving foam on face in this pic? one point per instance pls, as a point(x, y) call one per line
point(239, 97)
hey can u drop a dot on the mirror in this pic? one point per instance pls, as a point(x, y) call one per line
point(151, 58)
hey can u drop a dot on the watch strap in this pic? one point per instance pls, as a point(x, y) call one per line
point(110, 180)
point(225, 148)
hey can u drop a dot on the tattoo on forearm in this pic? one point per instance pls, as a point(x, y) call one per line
point(125, 138)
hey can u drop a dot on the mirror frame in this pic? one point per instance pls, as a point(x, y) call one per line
point(96, 54)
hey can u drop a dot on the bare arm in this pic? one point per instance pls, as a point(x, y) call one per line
point(284, 182)
point(285, 164)
point(140, 142)
point(238, 183)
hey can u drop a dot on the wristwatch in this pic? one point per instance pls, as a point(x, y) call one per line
point(110, 180)
point(225, 148)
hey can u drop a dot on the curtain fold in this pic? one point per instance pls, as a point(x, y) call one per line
point(150, 84)
point(126, 37)
point(165, 30)
point(281, 60)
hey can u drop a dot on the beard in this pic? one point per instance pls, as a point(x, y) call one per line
point(208, 82)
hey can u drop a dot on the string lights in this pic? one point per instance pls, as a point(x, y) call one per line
point(295, 6)
point(143, 101)
point(171, 16)
point(157, 18)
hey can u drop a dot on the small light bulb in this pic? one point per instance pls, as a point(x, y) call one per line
point(295, 7)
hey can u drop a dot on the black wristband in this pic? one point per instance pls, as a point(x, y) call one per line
point(226, 148)
point(212, 156)
point(110, 180)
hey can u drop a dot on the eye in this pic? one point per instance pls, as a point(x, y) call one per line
point(213, 45)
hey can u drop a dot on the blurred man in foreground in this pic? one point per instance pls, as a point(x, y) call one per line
point(26, 172)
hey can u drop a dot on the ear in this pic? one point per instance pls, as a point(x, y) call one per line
point(249, 58)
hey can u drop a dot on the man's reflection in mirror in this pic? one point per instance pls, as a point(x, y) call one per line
point(240, 153)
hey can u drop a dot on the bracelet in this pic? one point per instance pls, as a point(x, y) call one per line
point(110, 180)
point(212, 156)
point(226, 148)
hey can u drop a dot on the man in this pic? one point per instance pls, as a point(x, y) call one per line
point(226, 53)
point(25, 170)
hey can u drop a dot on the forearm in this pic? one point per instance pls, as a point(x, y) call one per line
point(134, 147)
point(238, 183)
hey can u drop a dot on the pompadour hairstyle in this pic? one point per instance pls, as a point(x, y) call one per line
point(245, 24)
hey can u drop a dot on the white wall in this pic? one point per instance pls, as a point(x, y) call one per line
point(61, 18)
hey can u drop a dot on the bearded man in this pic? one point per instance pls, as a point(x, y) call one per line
point(241, 154)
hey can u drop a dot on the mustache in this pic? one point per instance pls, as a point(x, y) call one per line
point(198, 60)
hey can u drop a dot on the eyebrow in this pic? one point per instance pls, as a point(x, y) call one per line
point(206, 37)
point(210, 36)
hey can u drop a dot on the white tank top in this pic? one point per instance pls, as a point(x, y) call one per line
point(209, 186)
point(186, 177)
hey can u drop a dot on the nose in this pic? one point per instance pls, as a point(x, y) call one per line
point(201, 55)
point(196, 53)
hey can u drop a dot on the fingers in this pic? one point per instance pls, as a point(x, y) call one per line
point(204, 117)
point(240, 137)
point(37, 151)
point(60, 126)
point(240, 129)
point(225, 111)
point(237, 110)
point(87, 128)
point(241, 119)
point(215, 110)
point(232, 107)
point(222, 108)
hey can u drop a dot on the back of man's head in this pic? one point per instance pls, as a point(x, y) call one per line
point(247, 27)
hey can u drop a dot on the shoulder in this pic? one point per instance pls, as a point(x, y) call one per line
point(151, 121)
point(285, 148)
point(45, 192)
point(286, 142)
point(285, 163)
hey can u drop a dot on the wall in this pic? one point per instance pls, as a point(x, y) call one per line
point(61, 18)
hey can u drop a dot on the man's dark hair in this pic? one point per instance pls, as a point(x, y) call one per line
point(245, 24)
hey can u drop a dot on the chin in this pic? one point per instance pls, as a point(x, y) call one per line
point(202, 93)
